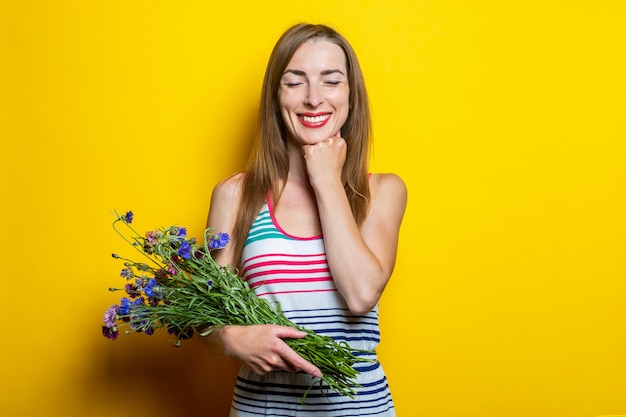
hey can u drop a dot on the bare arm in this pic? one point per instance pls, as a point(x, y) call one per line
point(361, 260)
point(260, 347)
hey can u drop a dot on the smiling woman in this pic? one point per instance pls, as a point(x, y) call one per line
point(314, 93)
point(313, 231)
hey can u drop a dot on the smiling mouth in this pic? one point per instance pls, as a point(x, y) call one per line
point(314, 120)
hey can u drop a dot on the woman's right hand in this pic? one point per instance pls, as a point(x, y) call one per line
point(261, 348)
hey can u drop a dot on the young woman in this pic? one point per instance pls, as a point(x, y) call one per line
point(311, 229)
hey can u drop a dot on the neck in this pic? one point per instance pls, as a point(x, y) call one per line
point(297, 166)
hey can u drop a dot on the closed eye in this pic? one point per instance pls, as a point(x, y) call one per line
point(293, 85)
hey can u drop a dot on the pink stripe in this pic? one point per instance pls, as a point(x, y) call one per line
point(285, 271)
point(290, 280)
point(277, 262)
point(287, 255)
point(294, 292)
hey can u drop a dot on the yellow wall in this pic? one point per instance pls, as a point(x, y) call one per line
point(506, 120)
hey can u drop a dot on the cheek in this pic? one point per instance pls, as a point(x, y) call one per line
point(282, 101)
point(342, 99)
point(283, 110)
point(342, 104)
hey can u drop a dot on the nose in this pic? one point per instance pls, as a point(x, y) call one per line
point(313, 96)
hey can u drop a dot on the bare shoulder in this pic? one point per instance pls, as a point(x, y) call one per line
point(388, 187)
point(388, 200)
point(229, 189)
point(223, 212)
point(224, 202)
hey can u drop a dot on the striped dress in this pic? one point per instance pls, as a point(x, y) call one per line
point(293, 271)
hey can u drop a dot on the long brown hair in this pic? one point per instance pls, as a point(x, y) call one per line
point(268, 162)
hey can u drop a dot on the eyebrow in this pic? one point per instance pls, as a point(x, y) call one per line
point(303, 74)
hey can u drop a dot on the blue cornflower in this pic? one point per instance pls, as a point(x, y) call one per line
point(138, 302)
point(182, 232)
point(124, 308)
point(185, 250)
point(219, 241)
point(149, 287)
point(128, 217)
point(148, 292)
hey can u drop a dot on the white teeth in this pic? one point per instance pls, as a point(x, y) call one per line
point(315, 119)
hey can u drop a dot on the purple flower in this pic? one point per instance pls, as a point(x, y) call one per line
point(128, 217)
point(219, 241)
point(131, 290)
point(152, 236)
point(110, 333)
point(110, 316)
point(127, 273)
point(180, 333)
point(185, 250)
point(182, 232)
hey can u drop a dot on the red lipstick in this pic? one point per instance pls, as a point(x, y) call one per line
point(314, 120)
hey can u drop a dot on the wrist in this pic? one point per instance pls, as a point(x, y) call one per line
point(326, 182)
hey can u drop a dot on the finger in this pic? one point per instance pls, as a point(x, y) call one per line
point(310, 369)
point(298, 363)
point(286, 332)
point(291, 359)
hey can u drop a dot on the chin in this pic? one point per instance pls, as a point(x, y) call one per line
point(313, 141)
point(316, 137)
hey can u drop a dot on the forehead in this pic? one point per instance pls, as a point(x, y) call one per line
point(316, 56)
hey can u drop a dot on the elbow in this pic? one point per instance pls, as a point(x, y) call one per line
point(361, 310)
point(364, 297)
point(364, 303)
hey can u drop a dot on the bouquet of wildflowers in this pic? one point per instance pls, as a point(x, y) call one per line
point(180, 287)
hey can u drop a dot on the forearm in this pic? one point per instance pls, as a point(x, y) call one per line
point(214, 342)
point(357, 272)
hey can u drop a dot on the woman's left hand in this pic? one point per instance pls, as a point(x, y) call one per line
point(324, 160)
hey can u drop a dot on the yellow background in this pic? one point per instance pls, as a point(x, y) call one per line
point(505, 119)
